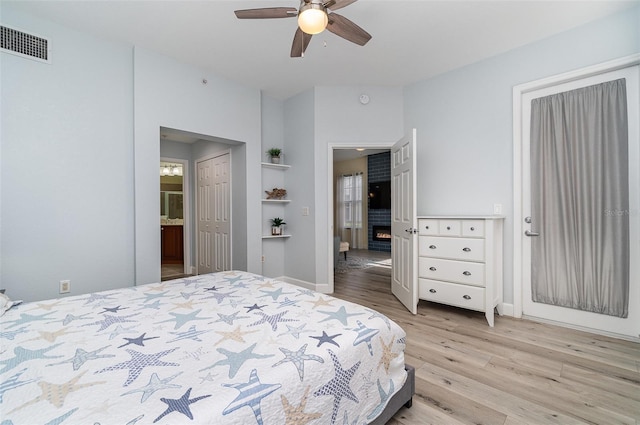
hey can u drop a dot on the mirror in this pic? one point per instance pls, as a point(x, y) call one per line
point(171, 207)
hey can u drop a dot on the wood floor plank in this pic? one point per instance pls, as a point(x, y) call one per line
point(519, 372)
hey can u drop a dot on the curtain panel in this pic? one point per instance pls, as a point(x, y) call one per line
point(580, 199)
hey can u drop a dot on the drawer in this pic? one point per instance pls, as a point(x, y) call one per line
point(470, 297)
point(473, 228)
point(452, 271)
point(449, 227)
point(427, 226)
point(465, 249)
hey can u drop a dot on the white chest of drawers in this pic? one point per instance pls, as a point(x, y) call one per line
point(460, 262)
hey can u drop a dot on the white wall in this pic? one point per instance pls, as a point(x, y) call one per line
point(67, 165)
point(464, 119)
point(170, 94)
point(340, 119)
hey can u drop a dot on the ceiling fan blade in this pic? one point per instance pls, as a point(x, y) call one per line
point(338, 4)
point(300, 42)
point(341, 26)
point(267, 13)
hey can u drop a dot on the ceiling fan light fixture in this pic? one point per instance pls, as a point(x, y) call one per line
point(312, 18)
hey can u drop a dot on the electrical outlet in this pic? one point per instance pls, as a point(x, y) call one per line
point(497, 209)
point(65, 286)
point(305, 211)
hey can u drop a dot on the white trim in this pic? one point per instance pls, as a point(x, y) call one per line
point(298, 282)
point(186, 212)
point(328, 287)
point(581, 328)
point(518, 92)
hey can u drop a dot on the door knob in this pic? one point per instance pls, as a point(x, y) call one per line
point(528, 233)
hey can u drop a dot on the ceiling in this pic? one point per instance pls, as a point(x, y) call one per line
point(412, 40)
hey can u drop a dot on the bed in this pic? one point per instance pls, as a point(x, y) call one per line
point(223, 348)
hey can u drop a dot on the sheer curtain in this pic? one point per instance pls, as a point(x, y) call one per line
point(349, 201)
point(580, 199)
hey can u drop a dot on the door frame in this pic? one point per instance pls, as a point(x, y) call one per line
point(195, 185)
point(518, 214)
point(186, 212)
point(331, 195)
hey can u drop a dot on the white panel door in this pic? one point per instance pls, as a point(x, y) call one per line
point(204, 219)
point(404, 247)
point(629, 327)
point(221, 214)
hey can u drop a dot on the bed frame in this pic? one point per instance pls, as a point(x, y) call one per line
point(404, 397)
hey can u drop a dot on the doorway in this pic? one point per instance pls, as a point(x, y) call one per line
point(525, 229)
point(173, 218)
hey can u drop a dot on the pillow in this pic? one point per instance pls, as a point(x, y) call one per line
point(6, 303)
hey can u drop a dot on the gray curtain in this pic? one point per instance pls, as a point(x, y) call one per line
point(580, 199)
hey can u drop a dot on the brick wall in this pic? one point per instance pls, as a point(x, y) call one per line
point(379, 170)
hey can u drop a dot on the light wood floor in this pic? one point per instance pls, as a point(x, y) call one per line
point(519, 372)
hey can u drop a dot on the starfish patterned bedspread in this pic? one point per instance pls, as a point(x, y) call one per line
point(224, 348)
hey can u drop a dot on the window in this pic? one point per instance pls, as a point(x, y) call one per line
point(350, 201)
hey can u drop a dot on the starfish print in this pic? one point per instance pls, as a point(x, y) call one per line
point(341, 315)
point(154, 305)
point(268, 284)
point(138, 362)
point(158, 287)
point(365, 335)
point(384, 398)
point(273, 320)
point(56, 394)
point(52, 336)
point(295, 415)
point(308, 292)
point(187, 295)
point(229, 318)
point(148, 297)
point(213, 288)
point(387, 355)
point(110, 320)
point(274, 294)
point(96, 297)
point(234, 303)
point(120, 330)
point(338, 387)
point(155, 384)
point(113, 309)
point(295, 332)
point(220, 296)
point(287, 302)
point(236, 360)
point(82, 356)
point(322, 301)
point(251, 393)
point(298, 358)
point(138, 341)
point(188, 305)
point(192, 333)
point(11, 335)
point(23, 354)
point(13, 382)
point(70, 318)
point(326, 338)
point(180, 405)
point(181, 319)
point(255, 307)
point(232, 280)
point(27, 318)
point(235, 335)
point(209, 378)
point(48, 307)
point(379, 315)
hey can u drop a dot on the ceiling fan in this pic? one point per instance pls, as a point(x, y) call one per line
point(314, 16)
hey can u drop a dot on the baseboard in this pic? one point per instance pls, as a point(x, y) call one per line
point(507, 309)
point(298, 282)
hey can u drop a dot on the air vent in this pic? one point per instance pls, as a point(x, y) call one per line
point(24, 44)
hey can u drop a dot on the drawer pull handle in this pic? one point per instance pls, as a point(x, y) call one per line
point(448, 227)
point(473, 228)
point(466, 249)
point(432, 246)
point(426, 227)
point(433, 291)
point(466, 297)
point(466, 273)
point(433, 269)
